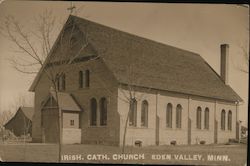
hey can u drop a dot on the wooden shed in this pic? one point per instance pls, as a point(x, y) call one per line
point(21, 123)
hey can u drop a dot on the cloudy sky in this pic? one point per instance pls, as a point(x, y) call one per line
point(199, 28)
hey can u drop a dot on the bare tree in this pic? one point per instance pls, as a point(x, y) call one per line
point(5, 116)
point(245, 66)
point(35, 51)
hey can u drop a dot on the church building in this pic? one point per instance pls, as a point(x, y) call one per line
point(165, 95)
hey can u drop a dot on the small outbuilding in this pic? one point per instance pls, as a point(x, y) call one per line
point(21, 123)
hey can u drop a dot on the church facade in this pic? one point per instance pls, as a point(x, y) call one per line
point(164, 94)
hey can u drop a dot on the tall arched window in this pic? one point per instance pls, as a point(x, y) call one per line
point(93, 114)
point(144, 114)
point(103, 111)
point(229, 122)
point(169, 115)
point(133, 112)
point(178, 116)
point(87, 78)
point(206, 119)
point(63, 81)
point(223, 119)
point(80, 79)
point(198, 118)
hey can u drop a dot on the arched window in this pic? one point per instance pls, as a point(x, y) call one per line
point(133, 112)
point(103, 111)
point(144, 114)
point(93, 114)
point(206, 119)
point(169, 115)
point(63, 82)
point(87, 78)
point(223, 119)
point(198, 118)
point(229, 122)
point(80, 79)
point(84, 79)
point(178, 116)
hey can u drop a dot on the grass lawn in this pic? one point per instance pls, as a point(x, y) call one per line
point(181, 154)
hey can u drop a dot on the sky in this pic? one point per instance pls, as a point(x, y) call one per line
point(199, 28)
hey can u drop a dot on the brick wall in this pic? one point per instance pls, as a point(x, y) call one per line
point(102, 84)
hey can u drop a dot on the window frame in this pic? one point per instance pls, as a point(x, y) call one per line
point(206, 118)
point(169, 115)
point(223, 120)
point(133, 113)
point(198, 117)
point(103, 111)
point(144, 113)
point(229, 120)
point(178, 116)
point(93, 112)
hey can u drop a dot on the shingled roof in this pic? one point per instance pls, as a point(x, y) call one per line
point(28, 112)
point(155, 65)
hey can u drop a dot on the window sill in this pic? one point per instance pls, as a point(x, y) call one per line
point(97, 126)
point(168, 128)
point(203, 130)
point(226, 131)
point(84, 88)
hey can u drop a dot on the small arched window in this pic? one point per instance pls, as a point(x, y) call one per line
point(178, 116)
point(80, 79)
point(144, 114)
point(223, 119)
point(169, 115)
point(103, 111)
point(198, 118)
point(93, 110)
point(132, 112)
point(206, 119)
point(87, 78)
point(84, 79)
point(229, 122)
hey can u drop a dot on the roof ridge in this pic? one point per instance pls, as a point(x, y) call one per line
point(131, 34)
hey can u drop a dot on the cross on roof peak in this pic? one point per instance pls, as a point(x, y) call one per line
point(71, 8)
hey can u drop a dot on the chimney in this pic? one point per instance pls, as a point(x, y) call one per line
point(224, 62)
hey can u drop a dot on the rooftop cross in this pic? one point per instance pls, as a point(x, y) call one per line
point(71, 8)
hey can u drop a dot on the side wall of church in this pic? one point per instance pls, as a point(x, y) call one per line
point(147, 134)
point(157, 131)
point(223, 135)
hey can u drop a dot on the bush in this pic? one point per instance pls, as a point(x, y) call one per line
point(233, 140)
point(138, 143)
point(173, 143)
point(202, 142)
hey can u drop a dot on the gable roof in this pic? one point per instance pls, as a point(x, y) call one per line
point(155, 65)
point(65, 101)
point(28, 112)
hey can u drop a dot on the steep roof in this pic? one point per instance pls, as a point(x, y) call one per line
point(28, 112)
point(66, 101)
point(153, 64)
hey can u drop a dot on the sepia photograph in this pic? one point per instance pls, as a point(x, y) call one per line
point(124, 82)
